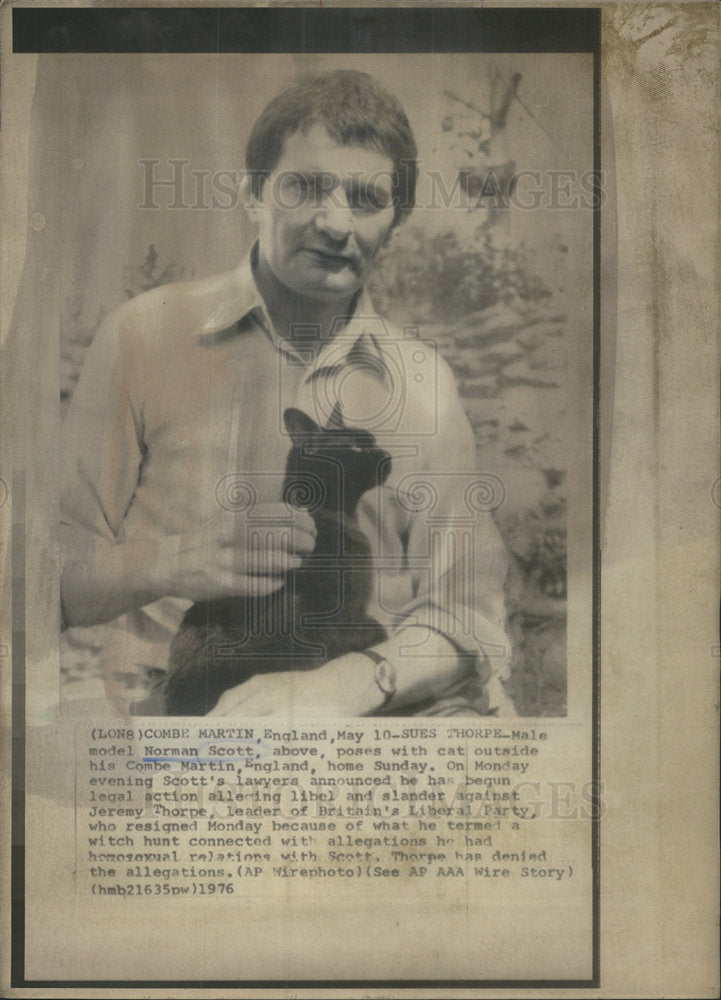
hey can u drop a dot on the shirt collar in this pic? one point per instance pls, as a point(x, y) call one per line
point(237, 296)
point(359, 341)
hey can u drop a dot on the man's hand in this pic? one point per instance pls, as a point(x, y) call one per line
point(237, 555)
point(232, 555)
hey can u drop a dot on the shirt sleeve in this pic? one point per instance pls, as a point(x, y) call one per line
point(102, 440)
point(454, 552)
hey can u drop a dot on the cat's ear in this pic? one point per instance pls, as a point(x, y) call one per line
point(299, 425)
point(335, 420)
point(384, 467)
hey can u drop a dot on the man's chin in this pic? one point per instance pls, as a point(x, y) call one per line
point(329, 288)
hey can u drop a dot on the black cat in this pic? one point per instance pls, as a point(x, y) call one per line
point(319, 613)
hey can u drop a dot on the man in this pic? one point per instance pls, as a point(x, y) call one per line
point(180, 404)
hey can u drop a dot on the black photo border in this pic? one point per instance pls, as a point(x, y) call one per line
point(317, 29)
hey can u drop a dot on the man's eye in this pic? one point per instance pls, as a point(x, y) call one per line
point(367, 201)
point(297, 188)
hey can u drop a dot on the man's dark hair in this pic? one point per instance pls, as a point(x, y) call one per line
point(355, 110)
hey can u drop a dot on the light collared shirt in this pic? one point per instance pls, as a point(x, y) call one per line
point(178, 414)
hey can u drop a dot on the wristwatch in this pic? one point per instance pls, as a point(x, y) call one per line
point(384, 675)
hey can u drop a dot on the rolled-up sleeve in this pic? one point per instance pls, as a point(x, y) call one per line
point(102, 435)
point(101, 448)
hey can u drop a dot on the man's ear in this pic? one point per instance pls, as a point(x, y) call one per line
point(251, 203)
point(299, 425)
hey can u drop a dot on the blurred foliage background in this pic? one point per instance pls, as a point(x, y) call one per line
point(504, 334)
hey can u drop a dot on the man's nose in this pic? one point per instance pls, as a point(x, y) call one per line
point(335, 216)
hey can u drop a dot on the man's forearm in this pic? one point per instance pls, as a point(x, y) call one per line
point(425, 664)
point(101, 581)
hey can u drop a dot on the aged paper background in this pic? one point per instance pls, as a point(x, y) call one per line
point(659, 514)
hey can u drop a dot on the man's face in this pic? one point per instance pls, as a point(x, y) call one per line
point(323, 214)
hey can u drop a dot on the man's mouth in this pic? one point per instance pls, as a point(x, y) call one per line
point(331, 260)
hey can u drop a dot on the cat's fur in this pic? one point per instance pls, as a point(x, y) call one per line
point(319, 613)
